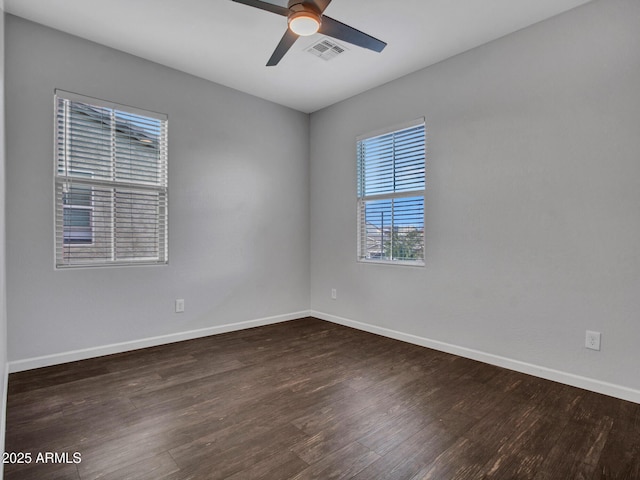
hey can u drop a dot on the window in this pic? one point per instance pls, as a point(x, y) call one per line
point(110, 184)
point(77, 214)
point(391, 184)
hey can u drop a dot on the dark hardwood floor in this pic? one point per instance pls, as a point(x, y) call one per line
point(310, 399)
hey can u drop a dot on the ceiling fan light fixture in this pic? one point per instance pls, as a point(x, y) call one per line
point(304, 23)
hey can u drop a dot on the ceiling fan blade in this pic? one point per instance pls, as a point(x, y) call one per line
point(340, 31)
point(288, 39)
point(269, 7)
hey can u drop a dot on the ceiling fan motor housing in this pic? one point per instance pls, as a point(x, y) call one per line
point(304, 12)
point(298, 4)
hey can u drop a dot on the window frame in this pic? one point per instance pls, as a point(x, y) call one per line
point(146, 191)
point(363, 198)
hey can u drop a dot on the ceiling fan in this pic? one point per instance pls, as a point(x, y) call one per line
point(305, 18)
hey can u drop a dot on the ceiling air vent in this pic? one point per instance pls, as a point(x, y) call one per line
point(326, 49)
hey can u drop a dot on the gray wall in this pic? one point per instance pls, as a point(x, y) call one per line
point(239, 228)
point(3, 287)
point(532, 203)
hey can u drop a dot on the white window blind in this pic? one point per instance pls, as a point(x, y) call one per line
point(391, 184)
point(111, 184)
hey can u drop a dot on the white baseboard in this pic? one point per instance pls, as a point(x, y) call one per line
point(566, 378)
point(64, 357)
point(613, 390)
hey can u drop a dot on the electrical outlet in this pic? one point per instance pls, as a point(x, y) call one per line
point(334, 294)
point(592, 340)
point(179, 305)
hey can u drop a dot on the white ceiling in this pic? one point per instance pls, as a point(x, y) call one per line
point(229, 43)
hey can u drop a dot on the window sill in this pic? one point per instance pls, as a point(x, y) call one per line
point(405, 263)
